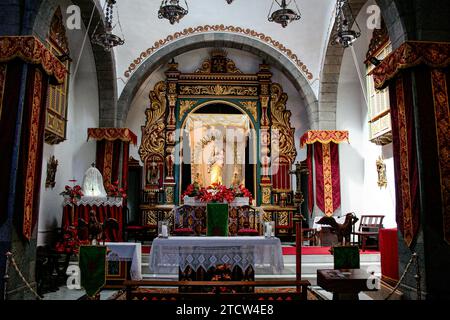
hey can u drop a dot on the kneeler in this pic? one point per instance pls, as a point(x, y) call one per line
point(217, 219)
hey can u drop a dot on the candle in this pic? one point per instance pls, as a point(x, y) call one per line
point(268, 230)
point(164, 231)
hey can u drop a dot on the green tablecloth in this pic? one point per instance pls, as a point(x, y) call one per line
point(217, 219)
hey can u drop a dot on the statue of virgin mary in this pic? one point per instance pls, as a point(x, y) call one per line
point(93, 183)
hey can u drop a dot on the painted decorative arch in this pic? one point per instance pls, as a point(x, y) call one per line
point(223, 40)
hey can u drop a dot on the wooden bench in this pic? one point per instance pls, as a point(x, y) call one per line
point(298, 292)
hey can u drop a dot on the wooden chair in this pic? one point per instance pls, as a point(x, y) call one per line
point(134, 230)
point(369, 227)
point(310, 235)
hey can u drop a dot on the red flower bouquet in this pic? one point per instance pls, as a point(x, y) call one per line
point(74, 193)
point(216, 193)
point(244, 192)
point(192, 190)
point(115, 191)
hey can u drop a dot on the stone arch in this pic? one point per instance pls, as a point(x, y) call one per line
point(329, 77)
point(224, 40)
point(104, 61)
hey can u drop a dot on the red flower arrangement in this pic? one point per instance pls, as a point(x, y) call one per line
point(216, 193)
point(244, 192)
point(69, 243)
point(115, 191)
point(74, 193)
point(192, 190)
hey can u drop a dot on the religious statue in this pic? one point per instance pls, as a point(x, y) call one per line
point(198, 182)
point(169, 165)
point(52, 165)
point(215, 166)
point(236, 182)
point(153, 174)
point(381, 169)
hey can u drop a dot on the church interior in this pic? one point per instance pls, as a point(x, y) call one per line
point(257, 150)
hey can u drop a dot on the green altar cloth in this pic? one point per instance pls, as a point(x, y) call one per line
point(217, 219)
point(92, 268)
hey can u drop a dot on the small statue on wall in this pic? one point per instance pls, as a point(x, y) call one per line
point(153, 174)
point(381, 169)
point(52, 166)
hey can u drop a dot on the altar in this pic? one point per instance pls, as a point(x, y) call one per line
point(104, 208)
point(199, 258)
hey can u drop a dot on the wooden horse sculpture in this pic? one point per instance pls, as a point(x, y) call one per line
point(343, 231)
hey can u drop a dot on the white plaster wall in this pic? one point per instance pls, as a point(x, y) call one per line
point(141, 27)
point(359, 189)
point(189, 62)
point(75, 154)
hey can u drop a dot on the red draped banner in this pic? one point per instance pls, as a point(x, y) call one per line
point(421, 65)
point(323, 147)
point(328, 191)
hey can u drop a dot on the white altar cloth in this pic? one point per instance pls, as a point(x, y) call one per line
point(95, 201)
point(127, 251)
point(167, 255)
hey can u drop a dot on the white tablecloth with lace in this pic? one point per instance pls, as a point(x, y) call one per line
point(169, 255)
point(127, 251)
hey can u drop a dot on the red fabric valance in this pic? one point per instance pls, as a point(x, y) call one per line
point(408, 55)
point(112, 134)
point(31, 50)
point(324, 136)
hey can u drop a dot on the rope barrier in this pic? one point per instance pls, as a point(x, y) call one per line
point(10, 260)
point(414, 258)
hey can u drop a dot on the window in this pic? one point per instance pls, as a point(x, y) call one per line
point(380, 131)
point(57, 95)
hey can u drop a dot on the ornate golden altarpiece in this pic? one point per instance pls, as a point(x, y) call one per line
point(218, 80)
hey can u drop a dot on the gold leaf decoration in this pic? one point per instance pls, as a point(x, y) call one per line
point(281, 120)
point(252, 107)
point(153, 132)
point(185, 105)
point(219, 90)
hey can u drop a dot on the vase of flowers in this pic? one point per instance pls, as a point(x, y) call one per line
point(72, 193)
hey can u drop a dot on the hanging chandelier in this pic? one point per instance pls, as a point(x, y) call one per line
point(107, 39)
point(172, 10)
point(229, 1)
point(284, 15)
point(344, 35)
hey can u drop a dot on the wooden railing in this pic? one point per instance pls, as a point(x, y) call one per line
point(135, 290)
